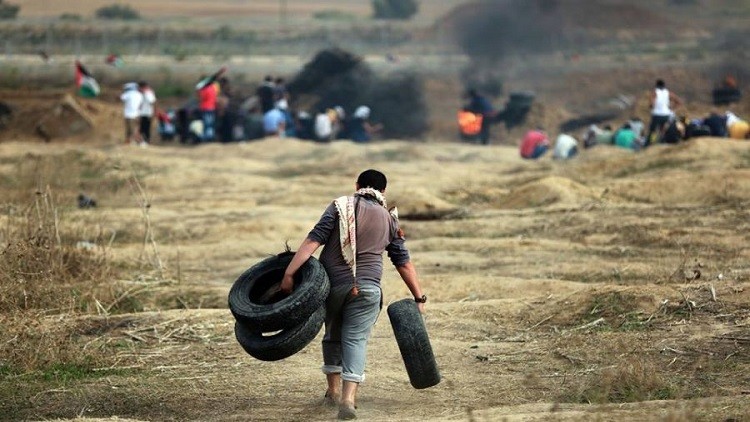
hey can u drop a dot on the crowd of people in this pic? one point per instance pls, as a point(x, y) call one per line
point(216, 114)
point(665, 127)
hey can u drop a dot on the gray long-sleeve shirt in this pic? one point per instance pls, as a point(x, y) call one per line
point(377, 231)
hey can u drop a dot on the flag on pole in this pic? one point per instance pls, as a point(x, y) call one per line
point(85, 83)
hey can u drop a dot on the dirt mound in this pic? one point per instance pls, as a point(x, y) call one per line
point(685, 187)
point(418, 204)
point(65, 118)
point(56, 115)
point(551, 190)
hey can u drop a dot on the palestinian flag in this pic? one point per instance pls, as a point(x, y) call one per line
point(85, 83)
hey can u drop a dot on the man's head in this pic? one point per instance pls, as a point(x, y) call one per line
point(660, 84)
point(372, 179)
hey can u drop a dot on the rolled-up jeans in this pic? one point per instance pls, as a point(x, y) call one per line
point(349, 320)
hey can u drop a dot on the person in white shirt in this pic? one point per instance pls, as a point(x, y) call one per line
point(566, 147)
point(131, 100)
point(661, 100)
point(328, 124)
point(146, 111)
point(323, 127)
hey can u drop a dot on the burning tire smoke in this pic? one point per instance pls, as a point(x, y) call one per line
point(336, 77)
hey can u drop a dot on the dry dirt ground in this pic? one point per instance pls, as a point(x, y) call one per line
point(611, 287)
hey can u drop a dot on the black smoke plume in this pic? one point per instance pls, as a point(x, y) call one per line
point(337, 77)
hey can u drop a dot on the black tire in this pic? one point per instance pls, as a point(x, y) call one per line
point(256, 301)
point(414, 344)
point(283, 344)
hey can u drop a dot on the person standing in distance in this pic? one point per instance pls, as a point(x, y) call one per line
point(661, 99)
point(355, 230)
point(146, 111)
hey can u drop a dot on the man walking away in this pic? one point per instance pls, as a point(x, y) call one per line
point(146, 111)
point(661, 100)
point(355, 230)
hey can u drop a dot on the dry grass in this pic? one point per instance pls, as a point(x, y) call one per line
point(45, 280)
point(42, 267)
point(633, 381)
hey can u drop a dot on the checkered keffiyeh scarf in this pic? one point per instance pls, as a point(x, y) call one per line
point(348, 226)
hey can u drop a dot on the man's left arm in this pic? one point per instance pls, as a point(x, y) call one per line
point(409, 274)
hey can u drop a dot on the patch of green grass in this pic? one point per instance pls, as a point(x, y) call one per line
point(64, 372)
point(67, 372)
point(6, 370)
point(334, 15)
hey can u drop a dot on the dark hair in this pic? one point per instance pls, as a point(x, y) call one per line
point(372, 179)
point(268, 78)
point(142, 84)
point(608, 127)
point(660, 83)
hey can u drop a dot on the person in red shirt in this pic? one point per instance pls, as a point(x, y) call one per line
point(534, 144)
point(208, 93)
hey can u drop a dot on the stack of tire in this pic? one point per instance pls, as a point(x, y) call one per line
point(270, 324)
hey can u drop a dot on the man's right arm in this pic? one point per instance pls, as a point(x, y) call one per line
point(317, 236)
point(305, 251)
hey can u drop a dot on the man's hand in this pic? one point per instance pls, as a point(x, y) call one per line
point(287, 283)
point(420, 306)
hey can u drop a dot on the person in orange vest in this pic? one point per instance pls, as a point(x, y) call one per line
point(480, 105)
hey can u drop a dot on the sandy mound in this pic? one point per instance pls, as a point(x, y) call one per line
point(418, 204)
point(550, 191)
point(65, 118)
point(57, 115)
point(685, 187)
point(703, 171)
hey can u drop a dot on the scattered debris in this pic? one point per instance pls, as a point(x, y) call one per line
point(85, 201)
